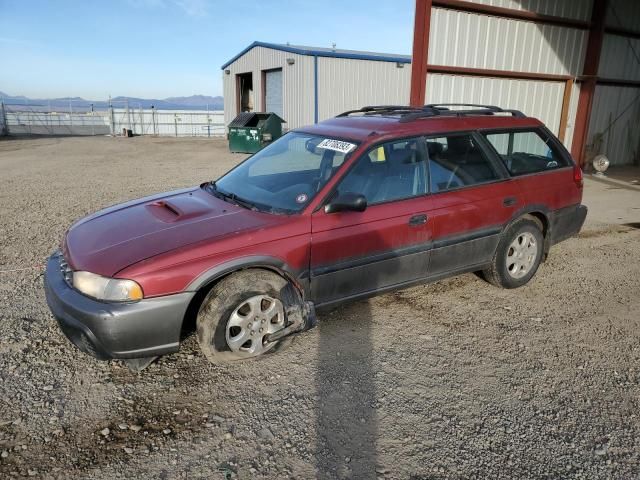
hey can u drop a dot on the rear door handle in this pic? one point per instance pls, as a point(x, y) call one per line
point(509, 201)
point(418, 220)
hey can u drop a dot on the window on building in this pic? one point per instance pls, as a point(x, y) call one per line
point(392, 171)
point(525, 152)
point(456, 161)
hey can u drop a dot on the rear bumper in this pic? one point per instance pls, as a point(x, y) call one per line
point(105, 330)
point(567, 222)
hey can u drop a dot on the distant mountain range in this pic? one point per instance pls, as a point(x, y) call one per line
point(194, 102)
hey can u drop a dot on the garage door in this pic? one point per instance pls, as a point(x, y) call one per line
point(273, 91)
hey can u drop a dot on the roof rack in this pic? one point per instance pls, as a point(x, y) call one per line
point(387, 110)
point(408, 113)
point(475, 110)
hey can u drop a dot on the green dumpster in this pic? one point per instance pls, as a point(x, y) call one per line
point(250, 131)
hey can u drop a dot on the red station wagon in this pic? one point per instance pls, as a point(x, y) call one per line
point(373, 200)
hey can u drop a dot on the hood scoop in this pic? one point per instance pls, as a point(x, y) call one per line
point(179, 208)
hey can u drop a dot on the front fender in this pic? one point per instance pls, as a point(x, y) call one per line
point(300, 279)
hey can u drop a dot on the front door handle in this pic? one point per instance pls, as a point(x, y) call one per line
point(418, 220)
point(509, 201)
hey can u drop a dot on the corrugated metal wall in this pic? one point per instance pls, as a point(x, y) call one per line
point(617, 59)
point(620, 142)
point(574, 9)
point(618, 139)
point(538, 99)
point(472, 40)
point(297, 83)
point(480, 41)
point(627, 14)
point(350, 84)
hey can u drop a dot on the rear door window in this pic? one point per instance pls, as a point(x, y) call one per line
point(391, 171)
point(526, 151)
point(456, 161)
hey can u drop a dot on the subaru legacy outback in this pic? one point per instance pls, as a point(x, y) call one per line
point(373, 200)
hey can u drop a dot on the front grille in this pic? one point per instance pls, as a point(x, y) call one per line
point(67, 273)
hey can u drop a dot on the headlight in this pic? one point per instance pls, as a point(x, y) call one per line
point(103, 288)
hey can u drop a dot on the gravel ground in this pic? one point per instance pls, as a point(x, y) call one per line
point(457, 379)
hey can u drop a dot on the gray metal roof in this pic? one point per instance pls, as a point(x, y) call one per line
point(325, 52)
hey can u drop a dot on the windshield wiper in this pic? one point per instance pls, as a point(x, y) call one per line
point(231, 197)
point(212, 188)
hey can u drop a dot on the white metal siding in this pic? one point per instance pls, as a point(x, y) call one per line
point(297, 83)
point(617, 59)
point(574, 9)
point(479, 41)
point(542, 100)
point(345, 84)
point(621, 143)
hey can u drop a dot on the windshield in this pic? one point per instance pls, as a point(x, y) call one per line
point(284, 176)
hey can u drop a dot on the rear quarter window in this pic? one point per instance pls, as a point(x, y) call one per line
point(526, 151)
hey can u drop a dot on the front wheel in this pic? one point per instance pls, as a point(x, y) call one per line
point(518, 255)
point(238, 314)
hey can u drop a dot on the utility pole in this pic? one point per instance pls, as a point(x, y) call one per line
point(128, 115)
point(112, 119)
point(3, 117)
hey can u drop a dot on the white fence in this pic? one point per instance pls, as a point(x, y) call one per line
point(175, 123)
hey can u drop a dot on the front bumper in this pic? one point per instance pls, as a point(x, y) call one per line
point(106, 330)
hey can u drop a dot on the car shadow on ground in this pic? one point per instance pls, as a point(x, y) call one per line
point(346, 423)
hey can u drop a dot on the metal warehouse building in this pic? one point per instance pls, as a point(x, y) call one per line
point(574, 64)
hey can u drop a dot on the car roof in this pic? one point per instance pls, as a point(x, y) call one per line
point(372, 127)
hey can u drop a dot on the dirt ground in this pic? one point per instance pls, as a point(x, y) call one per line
point(453, 380)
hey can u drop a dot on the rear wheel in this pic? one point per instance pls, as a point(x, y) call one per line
point(518, 255)
point(240, 311)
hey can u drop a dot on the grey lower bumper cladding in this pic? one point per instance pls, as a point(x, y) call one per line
point(567, 222)
point(104, 330)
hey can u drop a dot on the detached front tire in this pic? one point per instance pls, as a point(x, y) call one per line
point(238, 313)
point(518, 255)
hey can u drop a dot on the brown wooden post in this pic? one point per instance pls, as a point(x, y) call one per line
point(420, 53)
point(590, 76)
point(564, 113)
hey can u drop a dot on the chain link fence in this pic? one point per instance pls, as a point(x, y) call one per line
point(116, 119)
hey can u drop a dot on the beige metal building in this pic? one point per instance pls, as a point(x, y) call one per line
point(528, 55)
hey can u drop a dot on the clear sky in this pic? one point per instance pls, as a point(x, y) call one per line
point(162, 48)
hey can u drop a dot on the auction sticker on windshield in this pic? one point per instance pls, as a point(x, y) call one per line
point(337, 145)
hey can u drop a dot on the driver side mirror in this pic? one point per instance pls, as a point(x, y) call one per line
point(347, 202)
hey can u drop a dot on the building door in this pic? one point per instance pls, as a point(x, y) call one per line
point(244, 86)
point(273, 91)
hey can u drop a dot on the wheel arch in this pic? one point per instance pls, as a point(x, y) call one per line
point(209, 278)
point(540, 214)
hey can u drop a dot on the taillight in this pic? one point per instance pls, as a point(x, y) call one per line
point(577, 175)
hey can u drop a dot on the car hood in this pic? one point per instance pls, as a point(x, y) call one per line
point(117, 237)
